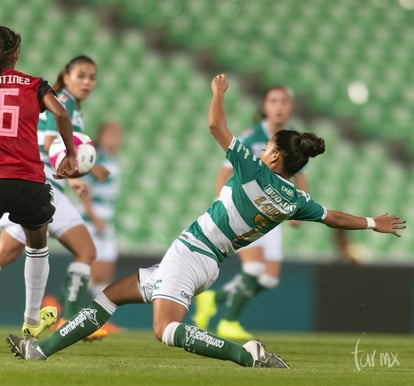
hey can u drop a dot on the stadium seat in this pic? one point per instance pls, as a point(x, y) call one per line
point(162, 101)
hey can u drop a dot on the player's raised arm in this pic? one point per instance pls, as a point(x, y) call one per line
point(216, 116)
point(384, 223)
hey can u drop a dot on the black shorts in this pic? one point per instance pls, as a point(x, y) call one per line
point(29, 204)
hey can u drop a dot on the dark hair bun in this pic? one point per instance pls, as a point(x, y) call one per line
point(311, 145)
point(9, 40)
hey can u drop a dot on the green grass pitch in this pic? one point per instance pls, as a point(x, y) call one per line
point(136, 358)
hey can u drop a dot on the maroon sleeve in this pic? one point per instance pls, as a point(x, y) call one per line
point(44, 88)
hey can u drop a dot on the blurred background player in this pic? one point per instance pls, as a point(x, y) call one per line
point(24, 193)
point(98, 209)
point(261, 260)
point(74, 84)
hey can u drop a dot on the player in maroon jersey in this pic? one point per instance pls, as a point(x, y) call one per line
point(24, 193)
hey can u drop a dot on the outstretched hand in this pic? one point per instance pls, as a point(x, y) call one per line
point(219, 84)
point(387, 223)
point(66, 168)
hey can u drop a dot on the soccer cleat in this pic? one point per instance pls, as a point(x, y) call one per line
point(48, 316)
point(205, 309)
point(25, 348)
point(99, 334)
point(273, 360)
point(232, 330)
point(261, 358)
point(51, 300)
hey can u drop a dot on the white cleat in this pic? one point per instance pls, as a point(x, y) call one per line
point(261, 358)
point(24, 348)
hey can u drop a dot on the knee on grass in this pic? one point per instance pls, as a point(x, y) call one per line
point(165, 333)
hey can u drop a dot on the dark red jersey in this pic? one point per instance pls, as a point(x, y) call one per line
point(21, 101)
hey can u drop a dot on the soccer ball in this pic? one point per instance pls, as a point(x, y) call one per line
point(85, 153)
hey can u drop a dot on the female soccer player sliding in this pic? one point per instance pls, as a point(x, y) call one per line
point(255, 200)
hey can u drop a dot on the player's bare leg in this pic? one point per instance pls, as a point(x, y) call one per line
point(10, 249)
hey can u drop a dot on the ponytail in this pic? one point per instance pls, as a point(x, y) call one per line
point(297, 148)
point(9, 43)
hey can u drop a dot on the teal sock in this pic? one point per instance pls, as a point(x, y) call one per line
point(223, 294)
point(84, 323)
point(209, 345)
point(248, 286)
point(76, 286)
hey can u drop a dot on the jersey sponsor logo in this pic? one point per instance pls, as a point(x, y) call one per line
point(84, 314)
point(155, 285)
point(285, 205)
point(63, 98)
point(268, 201)
point(270, 209)
point(186, 296)
point(254, 233)
point(14, 79)
point(193, 334)
point(288, 191)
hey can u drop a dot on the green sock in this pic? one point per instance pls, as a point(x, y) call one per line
point(209, 345)
point(76, 286)
point(223, 294)
point(247, 287)
point(84, 323)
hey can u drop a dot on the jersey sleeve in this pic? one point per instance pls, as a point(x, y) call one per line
point(245, 164)
point(43, 89)
point(309, 210)
point(244, 140)
point(227, 164)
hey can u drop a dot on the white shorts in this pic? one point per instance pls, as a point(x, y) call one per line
point(4, 221)
point(66, 217)
point(271, 243)
point(181, 275)
point(105, 243)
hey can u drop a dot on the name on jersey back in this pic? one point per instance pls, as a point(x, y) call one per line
point(14, 79)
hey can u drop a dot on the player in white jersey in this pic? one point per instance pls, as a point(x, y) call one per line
point(73, 85)
point(98, 209)
point(255, 200)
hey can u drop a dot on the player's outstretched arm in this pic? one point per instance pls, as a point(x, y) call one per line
point(216, 116)
point(63, 122)
point(384, 223)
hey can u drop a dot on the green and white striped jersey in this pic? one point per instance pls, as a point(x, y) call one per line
point(104, 194)
point(256, 138)
point(253, 202)
point(47, 127)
